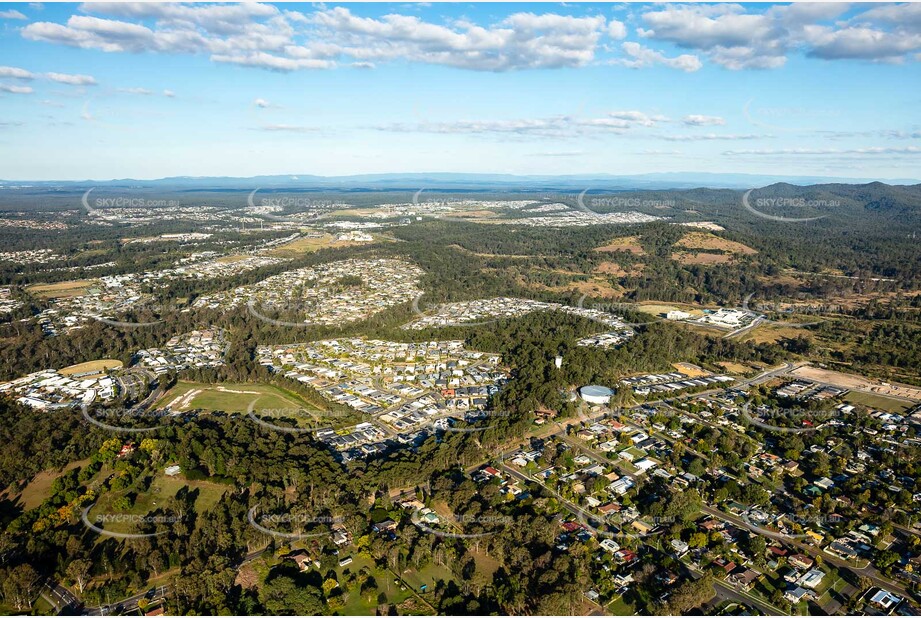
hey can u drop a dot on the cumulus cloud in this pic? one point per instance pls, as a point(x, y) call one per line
point(259, 35)
point(738, 38)
point(262, 103)
point(263, 36)
point(641, 57)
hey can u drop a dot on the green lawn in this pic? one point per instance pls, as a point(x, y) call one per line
point(358, 604)
point(619, 607)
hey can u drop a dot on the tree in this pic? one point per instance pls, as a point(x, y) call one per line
point(19, 587)
point(79, 572)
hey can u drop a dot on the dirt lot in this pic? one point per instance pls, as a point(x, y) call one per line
point(630, 244)
point(855, 382)
point(705, 240)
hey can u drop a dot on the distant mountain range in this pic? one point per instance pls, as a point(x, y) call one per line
point(460, 182)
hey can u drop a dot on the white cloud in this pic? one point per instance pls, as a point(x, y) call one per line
point(641, 57)
point(876, 150)
point(617, 122)
point(12, 14)
point(169, 94)
point(141, 91)
point(709, 137)
point(262, 103)
point(288, 128)
point(263, 36)
point(617, 29)
point(737, 39)
point(698, 120)
point(15, 89)
point(16, 73)
point(72, 80)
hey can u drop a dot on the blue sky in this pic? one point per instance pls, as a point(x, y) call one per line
point(151, 90)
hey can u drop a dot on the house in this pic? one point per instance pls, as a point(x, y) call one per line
point(797, 594)
point(745, 578)
point(885, 600)
point(811, 579)
point(172, 470)
point(801, 561)
point(388, 525)
point(777, 551)
point(610, 545)
point(680, 547)
point(301, 559)
point(642, 527)
point(726, 566)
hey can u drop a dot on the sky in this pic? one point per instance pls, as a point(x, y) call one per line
point(151, 90)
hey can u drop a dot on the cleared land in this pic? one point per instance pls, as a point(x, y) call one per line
point(711, 242)
point(855, 382)
point(310, 245)
point(33, 494)
point(631, 244)
point(62, 289)
point(231, 397)
point(96, 366)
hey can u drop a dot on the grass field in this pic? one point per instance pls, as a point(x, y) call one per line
point(358, 605)
point(231, 397)
point(97, 366)
point(33, 494)
point(62, 289)
point(879, 402)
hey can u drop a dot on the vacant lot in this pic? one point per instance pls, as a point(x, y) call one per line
point(631, 244)
point(62, 289)
point(96, 366)
point(33, 494)
point(230, 397)
point(309, 245)
point(855, 382)
point(711, 242)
